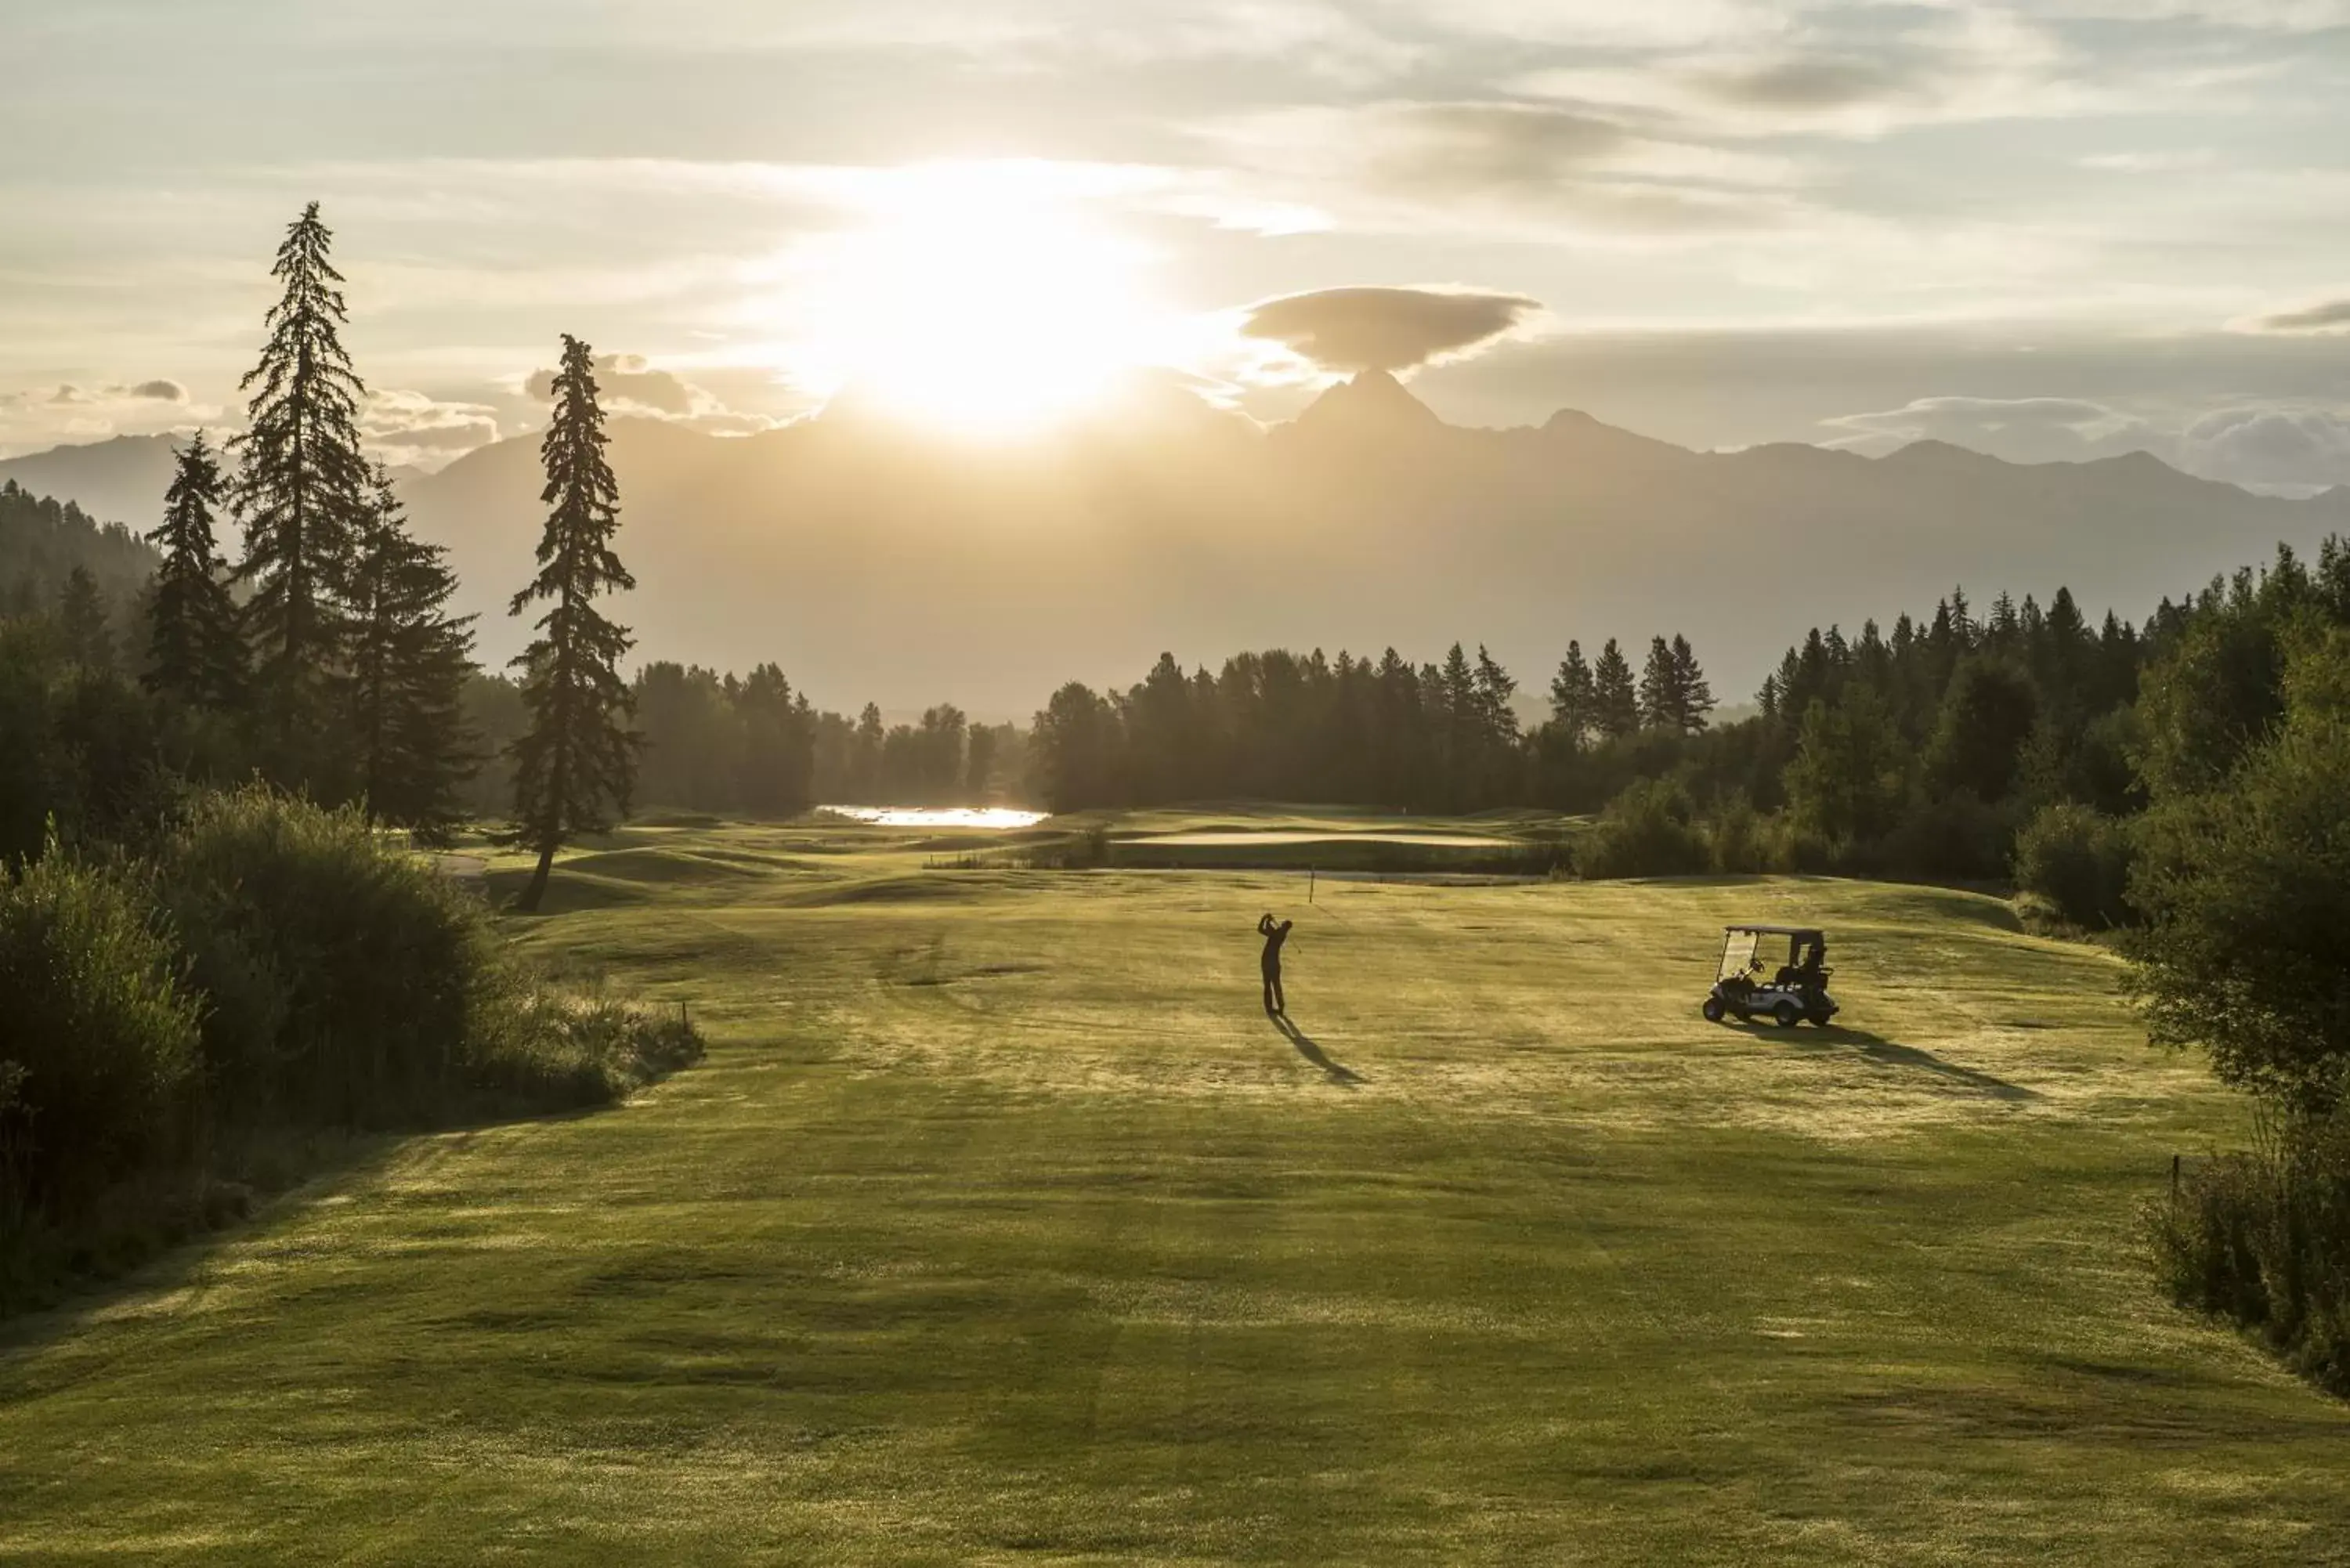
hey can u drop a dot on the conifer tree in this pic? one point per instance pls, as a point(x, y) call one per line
point(1692, 695)
point(1617, 699)
point(301, 489)
point(575, 768)
point(81, 621)
point(1661, 701)
point(1497, 692)
point(194, 650)
point(409, 662)
point(1573, 701)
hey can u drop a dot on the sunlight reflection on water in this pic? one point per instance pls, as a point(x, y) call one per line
point(938, 817)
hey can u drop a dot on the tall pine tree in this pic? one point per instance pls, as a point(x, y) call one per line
point(1617, 699)
point(1692, 693)
point(412, 749)
point(1573, 700)
point(301, 494)
point(194, 650)
point(1660, 691)
point(576, 766)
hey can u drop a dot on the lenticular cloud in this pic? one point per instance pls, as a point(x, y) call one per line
point(1354, 329)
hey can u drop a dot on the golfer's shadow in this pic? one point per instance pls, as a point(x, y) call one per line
point(1344, 1076)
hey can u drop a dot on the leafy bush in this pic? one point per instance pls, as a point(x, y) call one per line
point(1955, 838)
point(354, 985)
point(2078, 859)
point(1649, 830)
point(541, 1047)
point(2246, 895)
point(1740, 842)
point(2264, 1238)
point(98, 1038)
point(331, 980)
point(347, 973)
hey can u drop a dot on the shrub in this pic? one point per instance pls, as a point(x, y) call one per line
point(2246, 898)
point(1739, 844)
point(347, 973)
point(2078, 859)
point(1649, 830)
point(539, 1047)
point(98, 1039)
point(1954, 838)
point(352, 984)
point(2264, 1238)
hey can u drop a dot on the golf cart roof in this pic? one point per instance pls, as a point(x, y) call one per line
point(1812, 933)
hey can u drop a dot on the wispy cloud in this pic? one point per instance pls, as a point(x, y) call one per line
point(2287, 448)
point(2326, 316)
point(630, 384)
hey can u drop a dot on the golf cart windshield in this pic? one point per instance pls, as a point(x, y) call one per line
point(1757, 953)
point(1738, 957)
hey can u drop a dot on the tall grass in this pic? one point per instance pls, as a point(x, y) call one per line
point(2264, 1237)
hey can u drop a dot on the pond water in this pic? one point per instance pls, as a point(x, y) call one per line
point(980, 817)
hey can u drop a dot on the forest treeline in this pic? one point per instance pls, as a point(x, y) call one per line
point(1921, 751)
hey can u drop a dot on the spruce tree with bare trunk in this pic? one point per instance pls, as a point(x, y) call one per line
point(301, 493)
point(576, 766)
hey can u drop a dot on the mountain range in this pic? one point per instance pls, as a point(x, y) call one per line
point(875, 563)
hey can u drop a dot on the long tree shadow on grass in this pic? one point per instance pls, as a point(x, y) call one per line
point(1344, 1076)
point(1884, 1052)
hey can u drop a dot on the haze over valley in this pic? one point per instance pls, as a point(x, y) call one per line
point(871, 559)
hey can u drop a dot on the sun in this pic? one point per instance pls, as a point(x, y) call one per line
point(980, 300)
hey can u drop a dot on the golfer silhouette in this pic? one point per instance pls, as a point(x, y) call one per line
point(1274, 1002)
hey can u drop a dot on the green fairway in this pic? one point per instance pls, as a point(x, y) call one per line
point(1001, 1225)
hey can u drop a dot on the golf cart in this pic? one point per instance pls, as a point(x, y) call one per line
point(1753, 982)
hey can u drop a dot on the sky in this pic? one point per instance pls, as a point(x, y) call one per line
point(2047, 232)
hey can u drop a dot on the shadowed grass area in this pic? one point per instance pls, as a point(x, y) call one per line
point(1002, 1225)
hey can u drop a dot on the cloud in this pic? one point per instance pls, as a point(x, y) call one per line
point(630, 384)
point(2020, 430)
point(1391, 329)
point(411, 430)
point(2293, 449)
point(2178, 160)
point(2303, 448)
point(1850, 73)
point(1534, 172)
point(2331, 315)
point(69, 414)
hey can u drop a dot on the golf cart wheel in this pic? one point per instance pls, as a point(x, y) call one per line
point(1786, 1014)
point(1820, 1016)
point(1713, 1010)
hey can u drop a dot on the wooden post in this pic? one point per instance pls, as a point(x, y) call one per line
point(1310, 875)
point(2174, 1176)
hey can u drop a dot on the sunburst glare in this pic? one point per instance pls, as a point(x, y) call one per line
point(977, 299)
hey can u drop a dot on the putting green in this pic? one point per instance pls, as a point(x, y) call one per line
point(1002, 1226)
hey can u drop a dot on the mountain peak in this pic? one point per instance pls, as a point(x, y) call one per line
point(1372, 402)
